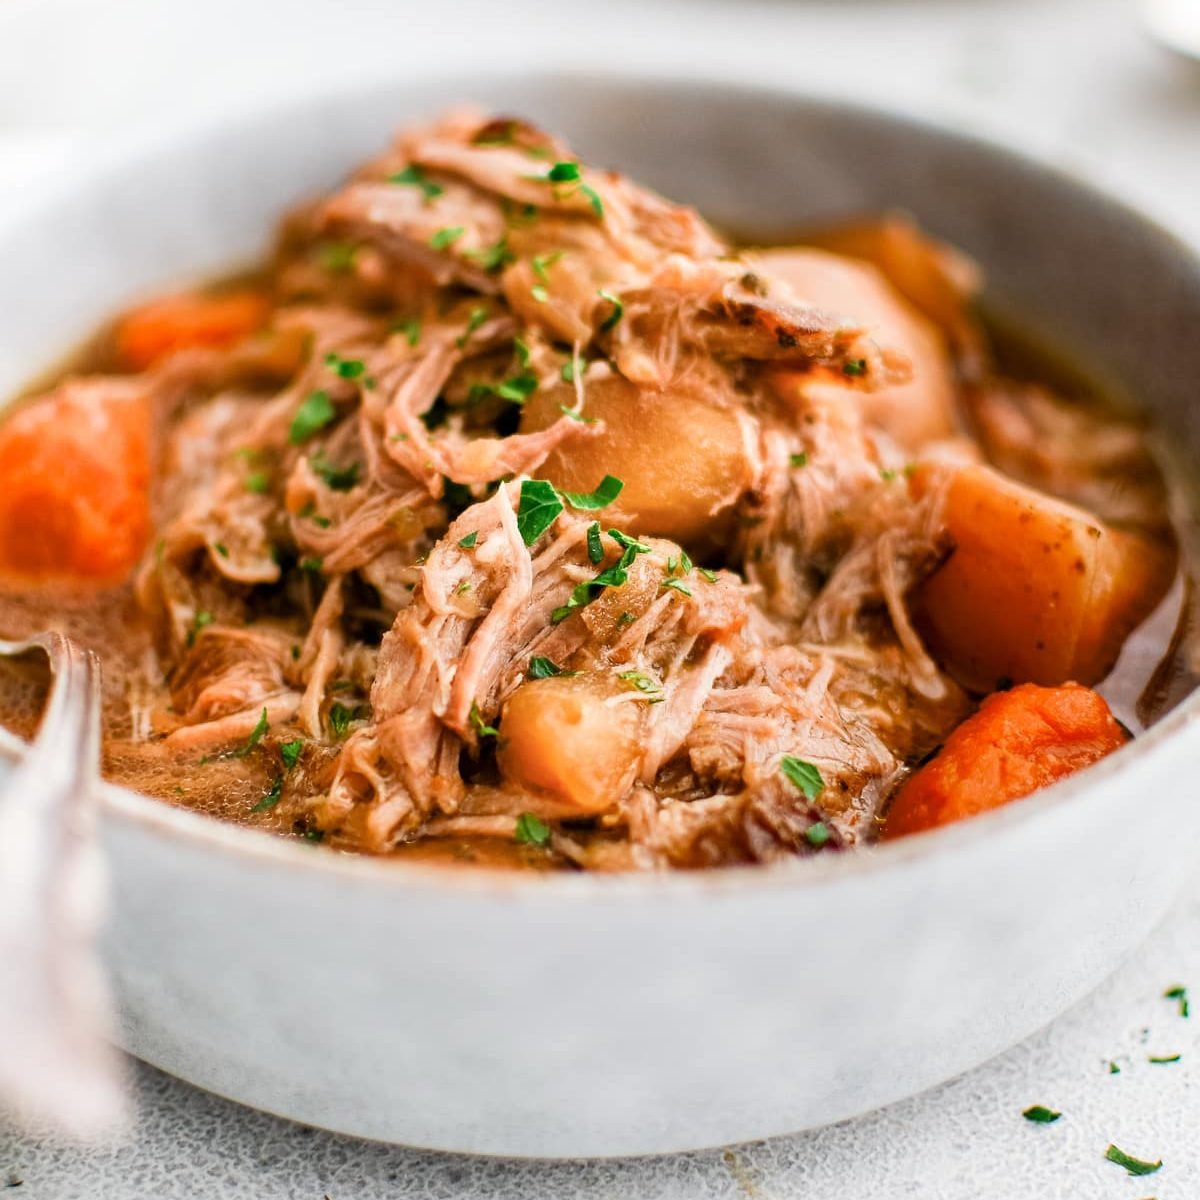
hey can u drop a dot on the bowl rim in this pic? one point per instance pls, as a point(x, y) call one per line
point(258, 847)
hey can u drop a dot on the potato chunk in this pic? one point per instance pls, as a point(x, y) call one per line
point(683, 459)
point(568, 736)
point(912, 413)
point(1036, 590)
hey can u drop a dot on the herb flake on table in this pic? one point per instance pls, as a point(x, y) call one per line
point(1179, 994)
point(1039, 1114)
point(1135, 1166)
point(1163, 1058)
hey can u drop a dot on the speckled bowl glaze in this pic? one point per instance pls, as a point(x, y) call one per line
point(582, 1015)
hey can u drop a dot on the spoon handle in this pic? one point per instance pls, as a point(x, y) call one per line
point(58, 1067)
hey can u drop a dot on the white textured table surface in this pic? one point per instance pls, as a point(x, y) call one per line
point(1073, 80)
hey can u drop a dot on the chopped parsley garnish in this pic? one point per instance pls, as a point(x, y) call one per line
point(803, 774)
point(1179, 993)
point(521, 351)
point(1041, 1115)
point(415, 177)
point(311, 417)
point(477, 316)
point(564, 172)
point(854, 366)
point(1135, 1166)
point(798, 460)
point(711, 576)
point(258, 482)
point(618, 309)
point(576, 415)
point(341, 715)
point(1113, 1069)
point(482, 729)
point(290, 753)
point(256, 735)
point(531, 830)
point(492, 258)
point(567, 370)
point(542, 668)
point(518, 388)
point(337, 257)
point(608, 489)
point(567, 179)
point(594, 547)
point(817, 834)
point(340, 479)
point(446, 237)
point(614, 575)
point(1164, 1058)
point(199, 621)
point(466, 543)
point(271, 798)
point(538, 508)
point(410, 328)
point(539, 293)
point(887, 474)
point(642, 682)
point(676, 585)
point(541, 263)
point(221, 549)
point(345, 368)
point(311, 564)
point(463, 588)
point(626, 618)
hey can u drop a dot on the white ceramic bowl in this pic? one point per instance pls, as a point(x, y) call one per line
point(581, 1015)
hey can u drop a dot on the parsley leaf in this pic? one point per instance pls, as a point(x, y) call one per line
point(477, 316)
point(290, 753)
point(609, 488)
point(542, 668)
point(531, 830)
point(256, 735)
point(854, 366)
point(271, 798)
point(1135, 1166)
point(541, 264)
point(1180, 993)
point(492, 258)
point(538, 508)
point(798, 460)
point(481, 727)
point(618, 309)
point(345, 368)
point(817, 834)
point(1041, 1115)
point(446, 237)
point(676, 585)
point(258, 482)
point(614, 575)
point(643, 683)
point(341, 715)
point(564, 172)
point(415, 177)
point(518, 388)
point(340, 479)
point(594, 547)
point(199, 621)
point(311, 417)
point(803, 774)
point(337, 257)
point(311, 564)
point(410, 328)
point(539, 293)
point(469, 541)
point(711, 576)
point(567, 371)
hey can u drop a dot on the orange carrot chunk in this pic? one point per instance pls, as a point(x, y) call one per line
point(74, 506)
point(1017, 742)
point(147, 334)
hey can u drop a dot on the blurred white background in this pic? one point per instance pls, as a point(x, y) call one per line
point(1078, 82)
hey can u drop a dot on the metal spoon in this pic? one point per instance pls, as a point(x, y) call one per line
point(58, 1067)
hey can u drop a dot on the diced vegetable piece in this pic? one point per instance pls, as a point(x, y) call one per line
point(164, 326)
point(683, 460)
point(912, 413)
point(934, 277)
point(1017, 742)
point(566, 736)
point(1036, 590)
point(75, 465)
